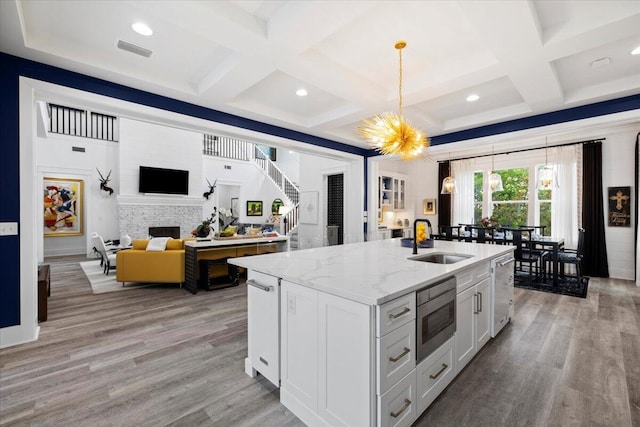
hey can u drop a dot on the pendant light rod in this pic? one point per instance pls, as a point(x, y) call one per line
point(523, 150)
point(400, 45)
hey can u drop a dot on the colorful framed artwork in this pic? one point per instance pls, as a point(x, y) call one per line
point(429, 206)
point(63, 213)
point(619, 206)
point(254, 207)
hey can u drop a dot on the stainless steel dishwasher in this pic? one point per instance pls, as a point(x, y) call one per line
point(502, 309)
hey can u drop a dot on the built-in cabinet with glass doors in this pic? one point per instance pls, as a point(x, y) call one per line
point(392, 191)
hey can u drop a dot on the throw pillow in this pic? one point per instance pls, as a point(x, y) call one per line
point(157, 244)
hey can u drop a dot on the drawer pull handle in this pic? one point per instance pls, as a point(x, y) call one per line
point(402, 313)
point(407, 403)
point(400, 356)
point(259, 286)
point(444, 366)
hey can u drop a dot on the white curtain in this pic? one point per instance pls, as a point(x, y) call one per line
point(462, 171)
point(564, 200)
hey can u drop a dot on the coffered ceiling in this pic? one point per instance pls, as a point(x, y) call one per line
point(521, 58)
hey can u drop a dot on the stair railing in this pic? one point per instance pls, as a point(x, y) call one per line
point(288, 188)
point(289, 221)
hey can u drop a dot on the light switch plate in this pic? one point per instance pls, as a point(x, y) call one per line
point(8, 228)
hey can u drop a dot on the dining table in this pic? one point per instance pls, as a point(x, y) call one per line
point(552, 244)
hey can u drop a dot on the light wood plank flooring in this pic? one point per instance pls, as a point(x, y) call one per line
point(161, 356)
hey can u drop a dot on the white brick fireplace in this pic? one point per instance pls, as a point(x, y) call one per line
point(137, 213)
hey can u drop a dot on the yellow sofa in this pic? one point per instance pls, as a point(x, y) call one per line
point(141, 266)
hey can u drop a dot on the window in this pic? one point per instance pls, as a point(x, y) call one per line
point(543, 210)
point(478, 196)
point(511, 205)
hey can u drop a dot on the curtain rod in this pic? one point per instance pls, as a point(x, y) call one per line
point(589, 141)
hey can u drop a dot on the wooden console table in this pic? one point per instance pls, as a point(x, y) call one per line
point(216, 251)
point(44, 290)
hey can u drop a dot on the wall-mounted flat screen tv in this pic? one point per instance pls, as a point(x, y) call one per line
point(163, 181)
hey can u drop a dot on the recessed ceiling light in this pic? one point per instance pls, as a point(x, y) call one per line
point(142, 28)
point(600, 62)
point(473, 97)
point(636, 51)
point(301, 92)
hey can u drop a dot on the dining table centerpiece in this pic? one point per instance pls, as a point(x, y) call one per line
point(226, 220)
point(489, 222)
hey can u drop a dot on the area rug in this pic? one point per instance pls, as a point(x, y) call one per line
point(568, 286)
point(101, 283)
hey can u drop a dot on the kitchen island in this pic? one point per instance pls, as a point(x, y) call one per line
point(335, 327)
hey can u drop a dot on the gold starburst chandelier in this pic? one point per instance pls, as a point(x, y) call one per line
point(390, 133)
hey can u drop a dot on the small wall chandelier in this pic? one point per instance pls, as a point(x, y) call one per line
point(390, 133)
point(547, 179)
point(495, 180)
point(449, 182)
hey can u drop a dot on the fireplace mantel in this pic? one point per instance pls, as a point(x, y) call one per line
point(160, 199)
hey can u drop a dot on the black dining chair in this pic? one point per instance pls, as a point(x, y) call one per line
point(573, 257)
point(523, 255)
point(538, 229)
point(479, 234)
point(445, 232)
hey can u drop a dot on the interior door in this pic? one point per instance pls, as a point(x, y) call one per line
point(335, 209)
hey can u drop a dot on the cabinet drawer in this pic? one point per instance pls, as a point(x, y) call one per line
point(397, 407)
point(481, 271)
point(471, 276)
point(434, 374)
point(394, 314)
point(397, 356)
point(464, 279)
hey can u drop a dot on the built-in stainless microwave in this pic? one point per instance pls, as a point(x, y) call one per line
point(436, 321)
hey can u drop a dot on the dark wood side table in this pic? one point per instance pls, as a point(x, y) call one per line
point(44, 290)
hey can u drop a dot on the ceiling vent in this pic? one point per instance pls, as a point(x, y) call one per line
point(130, 47)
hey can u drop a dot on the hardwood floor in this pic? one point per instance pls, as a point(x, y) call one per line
point(161, 356)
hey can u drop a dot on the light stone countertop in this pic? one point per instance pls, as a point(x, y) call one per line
point(212, 243)
point(370, 272)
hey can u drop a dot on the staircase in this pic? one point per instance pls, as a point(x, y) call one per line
point(291, 191)
point(230, 148)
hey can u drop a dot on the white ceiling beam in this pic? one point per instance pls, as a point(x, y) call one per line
point(512, 32)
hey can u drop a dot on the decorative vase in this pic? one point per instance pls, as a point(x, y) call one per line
point(125, 240)
point(203, 231)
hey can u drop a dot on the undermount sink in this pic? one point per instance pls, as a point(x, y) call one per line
point(441, 258)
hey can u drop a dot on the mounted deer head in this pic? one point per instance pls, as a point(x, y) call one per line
point(212, 188)
point(104, 181)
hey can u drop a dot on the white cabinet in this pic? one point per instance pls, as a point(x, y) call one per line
point(434, 374)
point(327, 356)
point(483, 315)
point(397, 407)
point(396, 355)
point(395, 313)
point(299, 348)
point(465, 328)
point(392, 192)
point(263, 326)
point(384, 234)
point(472, 322)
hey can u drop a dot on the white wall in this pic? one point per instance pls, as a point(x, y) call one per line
point(618, 163)
point(149, 144)
point(253, 183)
point(313, 172)
point(289, 162)
point(55, 159)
